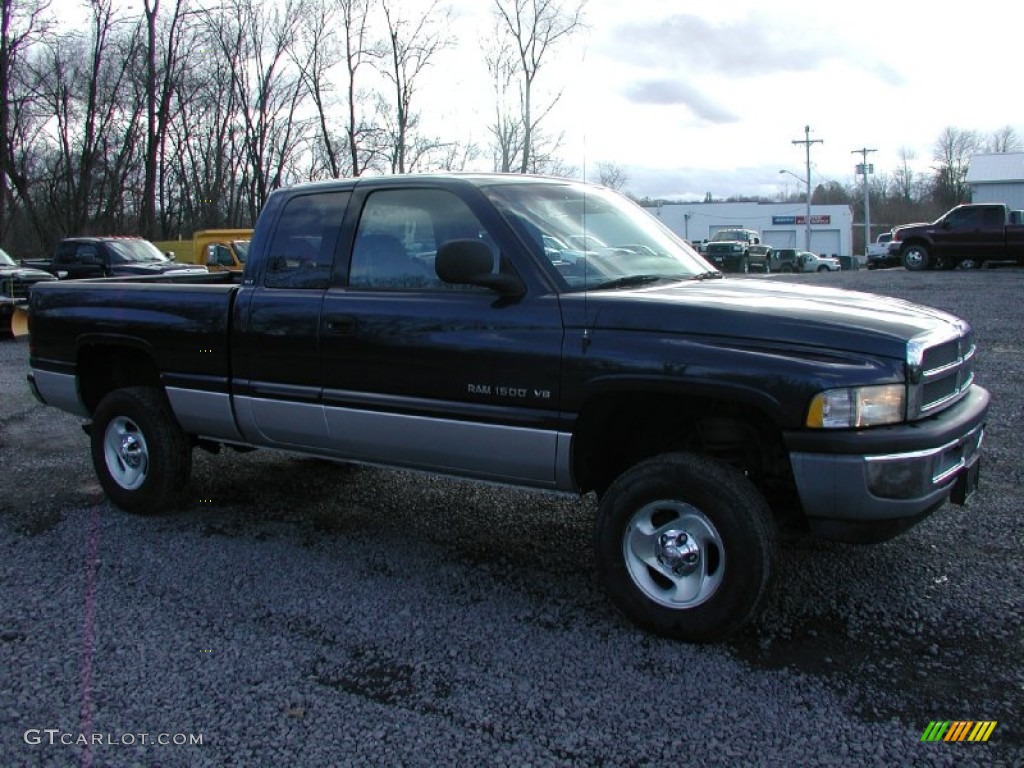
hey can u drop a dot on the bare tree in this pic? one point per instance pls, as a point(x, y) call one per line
point(612, 175)
point(952, 153)
point(535, 28)
point(257, 41)
point(165, 59)
point(20, 28)
point(411, 46)
point(905, 181)
point(208, 181)
point(315, 59)
point(355, 25)
point(1004, 140)
point(507, 129)
point(85, 81)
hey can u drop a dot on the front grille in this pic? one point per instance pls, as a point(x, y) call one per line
point(20, 288)
point(944, 372)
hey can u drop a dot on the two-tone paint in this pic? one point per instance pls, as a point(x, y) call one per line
point(508, 389)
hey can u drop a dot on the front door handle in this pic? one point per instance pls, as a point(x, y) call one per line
point(341, 325)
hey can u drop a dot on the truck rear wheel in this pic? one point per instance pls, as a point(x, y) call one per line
point(916, 258)
point(141, 456)
point(685, 546)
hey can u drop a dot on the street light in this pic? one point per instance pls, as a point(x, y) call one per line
point(807, 221)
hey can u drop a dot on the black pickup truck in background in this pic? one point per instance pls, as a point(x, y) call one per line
point(428, 322)
point(16, 280)
point(87, 257)
point(965, 236)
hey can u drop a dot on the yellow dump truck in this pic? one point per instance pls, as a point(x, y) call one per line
point(217, 249)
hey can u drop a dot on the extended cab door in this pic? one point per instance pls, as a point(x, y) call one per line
point(276, 338)
point(429, 375)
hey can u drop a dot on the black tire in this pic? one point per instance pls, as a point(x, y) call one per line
point(708, 529)
point(916, 258)
point(744, 265)
point(141, 456)
point(823, 268)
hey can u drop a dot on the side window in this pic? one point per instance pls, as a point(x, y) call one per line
point(992, 217)
point(302, 250)
point(219, 255)
point(965, 217)
point(398, 236)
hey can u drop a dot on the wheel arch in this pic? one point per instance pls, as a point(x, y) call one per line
point(617, 428)
point(104, 364)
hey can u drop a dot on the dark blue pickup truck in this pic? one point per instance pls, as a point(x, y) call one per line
point(445, 324)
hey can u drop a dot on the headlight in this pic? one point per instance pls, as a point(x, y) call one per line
point(858, 407)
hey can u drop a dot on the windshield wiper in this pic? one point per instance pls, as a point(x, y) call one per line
point(631, 280)
point(711, 275)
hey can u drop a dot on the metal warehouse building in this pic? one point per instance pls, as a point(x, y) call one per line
point(781, 224)
point(997, 178)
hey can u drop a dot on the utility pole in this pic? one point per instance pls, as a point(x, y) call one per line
point(866, 169)
point(807, 141)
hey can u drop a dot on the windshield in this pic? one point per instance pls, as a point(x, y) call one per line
point(135, 252)
point(6, 260)
point(728, 235)
point(595, 238)
point(241, 249)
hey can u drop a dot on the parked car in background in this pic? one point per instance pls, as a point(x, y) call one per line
point(965, 236)
point(15, 283)
point(84, 257)
point(217, 249)
point(877, 253)
point(729, 249)
point(792, 260)
point(761, 257)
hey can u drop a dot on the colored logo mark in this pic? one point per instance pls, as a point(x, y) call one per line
point(958, 730)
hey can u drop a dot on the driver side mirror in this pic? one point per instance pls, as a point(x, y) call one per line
point(470, 262)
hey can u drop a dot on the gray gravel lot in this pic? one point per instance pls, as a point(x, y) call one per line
point(302, 613)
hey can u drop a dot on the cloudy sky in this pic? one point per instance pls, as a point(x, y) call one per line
point(695, 96)
point(692, 96)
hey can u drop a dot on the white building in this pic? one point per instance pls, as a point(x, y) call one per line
point(997, 178)
point(781, 224)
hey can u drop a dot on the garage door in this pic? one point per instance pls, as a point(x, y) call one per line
point(826, 241)
point(779, 238)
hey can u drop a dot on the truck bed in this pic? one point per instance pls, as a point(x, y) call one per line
point(180, 322)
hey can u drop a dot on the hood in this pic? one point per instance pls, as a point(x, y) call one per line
point(25, 274)
point(769, 311)
point(155, 269)
point(902, 227)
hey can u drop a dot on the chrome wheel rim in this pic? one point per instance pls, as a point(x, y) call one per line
point(674, 554)
point(126, 453)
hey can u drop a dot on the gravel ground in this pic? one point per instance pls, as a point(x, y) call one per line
point(302, 613)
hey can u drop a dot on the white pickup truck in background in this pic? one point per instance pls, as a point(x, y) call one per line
point(877, 253)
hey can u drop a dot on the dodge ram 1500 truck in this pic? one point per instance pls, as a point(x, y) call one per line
point(428, 322)
point(965, 236)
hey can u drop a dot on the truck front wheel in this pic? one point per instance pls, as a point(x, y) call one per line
point(916, 258)
point(685, 546)
point(140, 454)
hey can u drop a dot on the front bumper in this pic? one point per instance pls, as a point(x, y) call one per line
point(871, 484)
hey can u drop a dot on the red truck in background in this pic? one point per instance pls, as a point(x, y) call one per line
point(966, 236)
